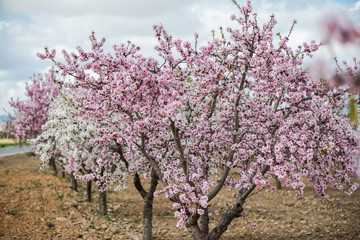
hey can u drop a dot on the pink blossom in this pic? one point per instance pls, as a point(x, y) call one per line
point(340, 28)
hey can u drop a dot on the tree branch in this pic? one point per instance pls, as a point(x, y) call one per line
point(175, 132)
point(139, 187)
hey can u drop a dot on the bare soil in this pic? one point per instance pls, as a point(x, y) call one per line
point(36, 204)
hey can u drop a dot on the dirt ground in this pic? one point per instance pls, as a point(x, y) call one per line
point(36, 204)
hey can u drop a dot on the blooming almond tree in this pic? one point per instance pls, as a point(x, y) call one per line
point(234, 113)
point(73, 139)
point(30, 114)
point(93, 103)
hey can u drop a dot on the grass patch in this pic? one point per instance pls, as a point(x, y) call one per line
point(30, 154)
point(61, 208)
point(34, 171)
point(8, 143)
point(12, 212)
point(110, 218)
point(37, 184)
point(23, 188)
point(3, 145)
point(168, 214)
point(61, 196)
point(2, 185)
point(91, 226)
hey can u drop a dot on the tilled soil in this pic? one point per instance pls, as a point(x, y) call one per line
point(36, 204)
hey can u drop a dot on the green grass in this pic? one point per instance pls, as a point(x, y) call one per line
point(37, 184)
point(3, 145)
point(59, 195)
point(12, 212)
point(23, 188)
point(67, 178)
point(168, 214)
point(8, 143)
point(30, 154)
point(91, 226)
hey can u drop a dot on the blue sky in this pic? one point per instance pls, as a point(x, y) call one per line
point(26, 27)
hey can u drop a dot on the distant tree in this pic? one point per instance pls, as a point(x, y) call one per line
point(32, 113)
point(7, 128)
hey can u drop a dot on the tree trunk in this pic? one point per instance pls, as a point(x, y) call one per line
point(102, 203)
point(147, 215)
point(194, 229)
point(198, 234)
point(88, 191)
point(229, 215)
point(148, 203)
point(74, 185)
point(234, 212)
point(278, 183)
point(53, 165)
point(62, 173)
point(204, 222)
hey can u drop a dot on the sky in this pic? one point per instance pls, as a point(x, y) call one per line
point(26, 27)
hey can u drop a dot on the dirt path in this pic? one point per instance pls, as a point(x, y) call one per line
point(35, 204)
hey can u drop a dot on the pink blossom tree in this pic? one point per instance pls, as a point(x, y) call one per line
point(89, 108)
point(241, 105)
point(32, 113)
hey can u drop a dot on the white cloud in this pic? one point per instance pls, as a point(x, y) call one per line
point(8, 90)
point(135, 8)
point(27, 26)
point(4, 25)
point(356, 7)
point(3, 74)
